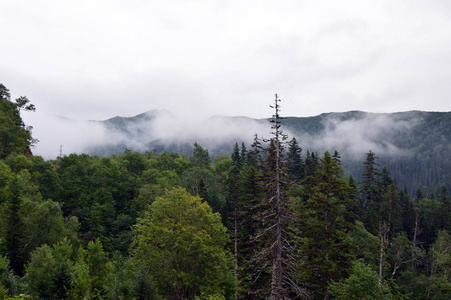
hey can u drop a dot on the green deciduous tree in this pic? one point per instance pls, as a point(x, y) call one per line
point(362, 284)
point(48, 274)
point(182, 244)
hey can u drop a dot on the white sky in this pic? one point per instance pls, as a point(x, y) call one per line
point(95, 59)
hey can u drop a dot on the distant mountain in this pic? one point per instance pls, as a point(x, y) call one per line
point(414, 146)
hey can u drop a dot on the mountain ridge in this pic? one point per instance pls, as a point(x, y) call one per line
point(415, 142)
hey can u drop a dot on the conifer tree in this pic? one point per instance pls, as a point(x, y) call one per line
point(14, 227)
point(295, 166)
point(326, 251)
point(236, 158)
point(336, 157)
point(276, 237)
point(370, 192)
point(252, 279)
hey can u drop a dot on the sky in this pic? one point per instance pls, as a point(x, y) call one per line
point(93, 60)
point(98, 59)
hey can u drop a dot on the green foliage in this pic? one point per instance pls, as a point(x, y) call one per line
point(48, 274)
point(361, 284)
point(91, 273)
point(14, 136)
point(295, 166)
point(4, 268)
point(324, 225)
point(66, 226)
point(200, 157)
point(203, 182)
point(181, 242)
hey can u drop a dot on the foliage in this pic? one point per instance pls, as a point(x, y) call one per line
point(149, 225)
point(181, 242)
point(361, 284)
point(15, 137)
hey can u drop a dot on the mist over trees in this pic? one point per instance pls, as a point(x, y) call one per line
point(402, 141)
point(267, 220)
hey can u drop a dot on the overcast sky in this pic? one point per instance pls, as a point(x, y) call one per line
point(98, 59)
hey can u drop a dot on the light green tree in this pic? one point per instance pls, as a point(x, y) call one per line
point(362, 284)
point(182, 244)
point(91, 272)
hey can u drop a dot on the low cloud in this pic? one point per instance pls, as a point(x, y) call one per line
point(54, 132)
point(356, 136)
point(159, 129)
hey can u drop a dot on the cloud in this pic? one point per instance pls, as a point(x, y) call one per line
point(351, 136)
point(54, 132)
point(140, 133)
point(363, 132)
point(97, 60)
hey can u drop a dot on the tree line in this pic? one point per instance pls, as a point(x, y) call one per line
point(259, 223)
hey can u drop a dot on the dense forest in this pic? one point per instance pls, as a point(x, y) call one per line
point(401, 140)
point(266, 221)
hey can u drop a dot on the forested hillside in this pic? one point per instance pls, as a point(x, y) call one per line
point(415, 146)
point(266, 220)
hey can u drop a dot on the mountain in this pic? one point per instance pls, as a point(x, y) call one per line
point(413, 145)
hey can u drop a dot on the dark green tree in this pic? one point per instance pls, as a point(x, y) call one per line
point(200, 157)
point(12, 217)
point(295, 165)
point(370, 192)
point(14, 136)
point(251, 278)
point(324, 223)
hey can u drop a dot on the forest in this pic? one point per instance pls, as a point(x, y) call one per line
point(267, 221)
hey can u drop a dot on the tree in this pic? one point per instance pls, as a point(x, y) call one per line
point(23, 103)
point(14, 136)
point(91, 272)
point(181, 242)
point(440, 266)
point(4, 93)
point(370, 186)
point(12, 221)
point(249, 193)
point(4, 266)
point(200, 157)
point(276, 237)
point(295, 166)
point(236, 157)
point(48, 274)
point(326, 250)
point(362, 284)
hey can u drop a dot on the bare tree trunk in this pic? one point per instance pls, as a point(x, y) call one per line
point(236, 242)
point(416, 232)
point(277, 272)
point(383, 242)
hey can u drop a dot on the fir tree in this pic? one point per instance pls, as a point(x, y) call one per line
point(275, 212)
point(326, 251)
point(295, 164)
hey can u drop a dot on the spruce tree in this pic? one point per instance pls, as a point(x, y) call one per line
point(370, 192)
point(278, 251)
point(324, 221)
point(295, 166)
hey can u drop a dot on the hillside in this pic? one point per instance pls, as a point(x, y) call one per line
point(414, 145)
point(116, 225)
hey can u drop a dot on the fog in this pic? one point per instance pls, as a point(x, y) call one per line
point(159, 128)
point(355, 137)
